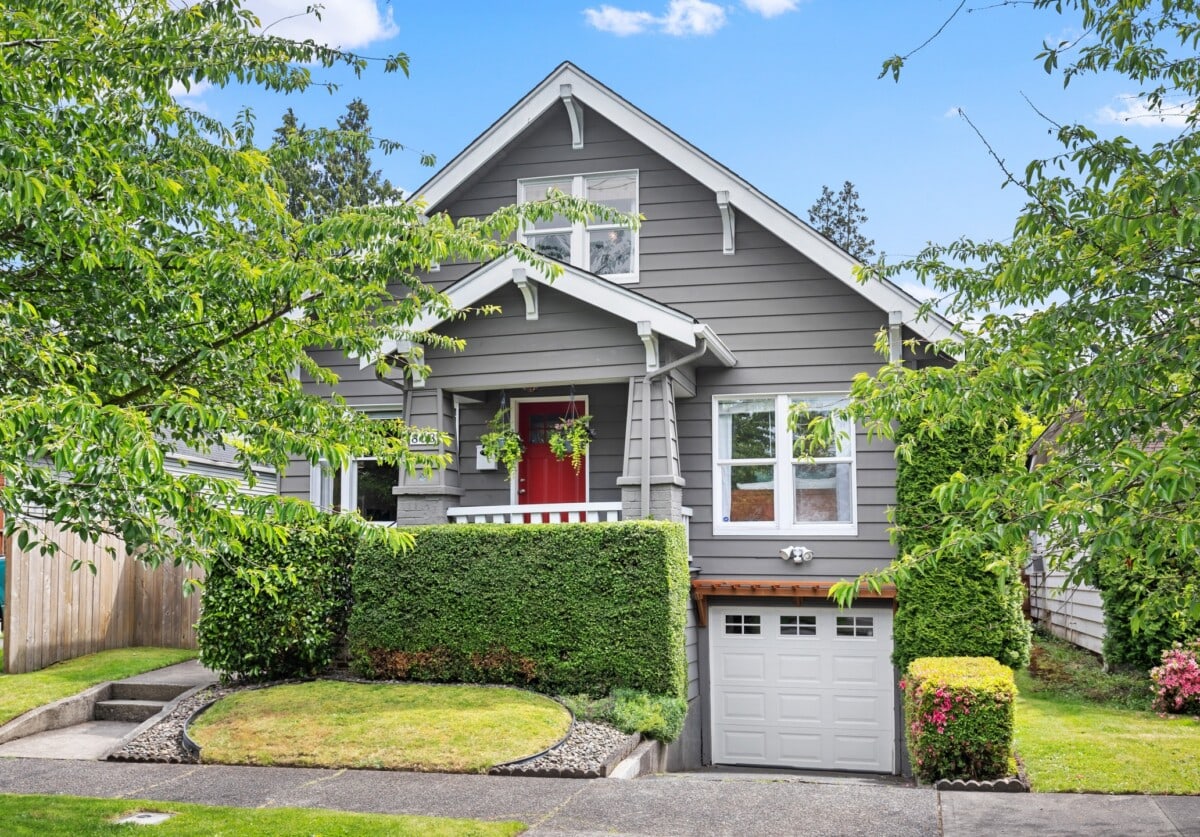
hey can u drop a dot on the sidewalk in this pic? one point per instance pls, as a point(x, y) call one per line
point(675, 804)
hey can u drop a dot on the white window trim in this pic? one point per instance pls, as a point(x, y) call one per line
point(580, 231)
point(784, 475)
point(321, 477)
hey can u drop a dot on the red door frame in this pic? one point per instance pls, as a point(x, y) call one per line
point(540, 477)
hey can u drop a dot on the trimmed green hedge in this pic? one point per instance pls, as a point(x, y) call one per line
point(954, 607)
point(959, 715)
point(1149, 605)
point(580, 608)
point(279, 610)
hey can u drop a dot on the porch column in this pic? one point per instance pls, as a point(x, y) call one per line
point(651, 480)
point(424, 499)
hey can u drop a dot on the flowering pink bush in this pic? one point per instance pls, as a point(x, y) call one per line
point(1177, 681)
point(959, 715)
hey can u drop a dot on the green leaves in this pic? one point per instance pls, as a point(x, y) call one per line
point(156, 292)
point(1085, 327)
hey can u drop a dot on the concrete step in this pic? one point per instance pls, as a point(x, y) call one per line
point(127, 709)
point(161, 692)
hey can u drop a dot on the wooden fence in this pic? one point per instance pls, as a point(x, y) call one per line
point(52, 613)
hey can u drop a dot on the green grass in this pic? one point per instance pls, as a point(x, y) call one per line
point(393, 726)
point(21, 692)
point(76, 816)
point(1078, 729)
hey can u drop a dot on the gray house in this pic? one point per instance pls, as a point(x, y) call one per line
point(688, 341)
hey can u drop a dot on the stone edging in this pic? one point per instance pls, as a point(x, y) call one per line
point(1007, 784)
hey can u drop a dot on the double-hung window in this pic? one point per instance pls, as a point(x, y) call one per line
point(600, 247)
point(763, 485)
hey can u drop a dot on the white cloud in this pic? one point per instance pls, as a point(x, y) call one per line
point(954, 111)
point(682, 17)
point(693, 17)
point(619, 21)
point(1130, 109)
point(770, 8)
point(197, 89)
point(348, 24)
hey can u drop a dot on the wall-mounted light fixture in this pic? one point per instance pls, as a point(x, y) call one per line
point(796, 554)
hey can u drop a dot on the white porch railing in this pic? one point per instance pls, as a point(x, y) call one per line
point(538, 513)
point(549, 513)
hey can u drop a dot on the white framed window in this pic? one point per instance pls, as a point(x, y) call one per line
point(600, 247)
point(762, 486)
point(365, 485)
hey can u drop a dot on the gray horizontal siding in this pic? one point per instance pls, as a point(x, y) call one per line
point(793, 329)
point(568, 341)
point(1074, 613)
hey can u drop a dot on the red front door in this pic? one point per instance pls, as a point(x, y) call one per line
point(540, 477)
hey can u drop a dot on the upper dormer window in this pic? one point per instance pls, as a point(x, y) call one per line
point(603, 248)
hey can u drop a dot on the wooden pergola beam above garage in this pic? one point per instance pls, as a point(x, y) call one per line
point(705, 588)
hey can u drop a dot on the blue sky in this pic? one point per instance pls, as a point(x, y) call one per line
point(784, 92)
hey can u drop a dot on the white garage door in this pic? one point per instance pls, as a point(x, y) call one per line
point(807, 687)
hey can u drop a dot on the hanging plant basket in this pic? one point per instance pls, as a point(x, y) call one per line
point(502, 443)
point(571, 437)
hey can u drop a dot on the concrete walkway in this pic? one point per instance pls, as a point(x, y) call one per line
point(84, 738)
point(706, 803)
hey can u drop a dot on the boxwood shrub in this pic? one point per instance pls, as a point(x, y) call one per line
point(959, 716)
point(956, 606)
point(275, 610)
point(564, 609)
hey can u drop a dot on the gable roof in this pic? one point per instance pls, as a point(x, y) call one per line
point(586, 287)
point(567, 83)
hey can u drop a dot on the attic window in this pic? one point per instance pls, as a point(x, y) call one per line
point(609, 250)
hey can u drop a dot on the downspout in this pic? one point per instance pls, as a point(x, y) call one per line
point(646, 392)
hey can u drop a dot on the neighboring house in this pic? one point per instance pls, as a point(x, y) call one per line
point(688, 341)
point(1074, 613)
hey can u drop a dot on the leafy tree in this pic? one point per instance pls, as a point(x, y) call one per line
point(1088, 320)
point(155, 291)
point(839, 218)
point(329, 171)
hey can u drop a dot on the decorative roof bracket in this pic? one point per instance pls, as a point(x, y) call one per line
point(574, 113)
point(650, 341)
point(727, 223)
point(528, 290)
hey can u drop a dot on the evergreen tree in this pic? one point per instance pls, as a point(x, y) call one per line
point(327, 171)
point(839, 218)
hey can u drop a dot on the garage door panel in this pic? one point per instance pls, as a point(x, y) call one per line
point(857, 669)
point(857, 753)
point(800, 749)
point(859, 710)
point(745, 666)
point(799, 708)
point(745, 747)
point(797, 669)
point(802, 687)
point(744, 706)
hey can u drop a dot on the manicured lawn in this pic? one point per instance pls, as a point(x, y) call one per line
point(395, 726)
point(74, 815)
point(21, 692)
point(1072, 742)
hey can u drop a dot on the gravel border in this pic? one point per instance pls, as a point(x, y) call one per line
point(589, 751)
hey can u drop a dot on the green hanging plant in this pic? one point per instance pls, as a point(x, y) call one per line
point(503, 443)
point(572, 436)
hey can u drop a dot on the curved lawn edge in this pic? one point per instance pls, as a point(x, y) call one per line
point(454, 728)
